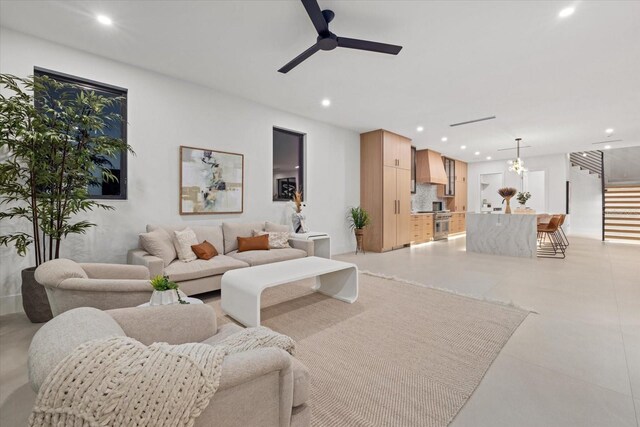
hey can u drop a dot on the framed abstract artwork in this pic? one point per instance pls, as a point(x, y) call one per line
point(286, 188)
point(211, 182)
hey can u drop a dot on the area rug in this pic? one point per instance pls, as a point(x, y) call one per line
point(402, 355)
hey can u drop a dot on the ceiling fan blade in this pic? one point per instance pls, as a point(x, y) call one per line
point(314, 12)
point(370, 46)
point(298, 59)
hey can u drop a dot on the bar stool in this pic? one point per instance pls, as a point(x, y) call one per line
point(563, 235)
point(555, 248)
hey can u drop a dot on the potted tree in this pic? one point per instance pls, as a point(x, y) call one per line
point(358, 220)
point(54, 148)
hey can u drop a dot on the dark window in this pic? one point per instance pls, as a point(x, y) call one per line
point(117, 164)
point(288, 164)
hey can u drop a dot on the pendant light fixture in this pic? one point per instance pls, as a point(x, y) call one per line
point(518, 165)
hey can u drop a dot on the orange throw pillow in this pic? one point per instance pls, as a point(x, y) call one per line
point(257, 243)
point(204, 250)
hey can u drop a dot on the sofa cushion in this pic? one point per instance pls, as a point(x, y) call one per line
point(183, 240)
point(233, 230)
point(277, 239)
point(257, 243)
point(210, 233)
point(272, 226)
point(63, 333)
point(267, 257)
point(159, 244)
point(179, 271)
point(56, 271)
point(204, 250)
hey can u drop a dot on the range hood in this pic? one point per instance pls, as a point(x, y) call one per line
point(430, 168)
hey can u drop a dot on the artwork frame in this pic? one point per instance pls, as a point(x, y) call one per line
point(202, 169)
point(286, 188)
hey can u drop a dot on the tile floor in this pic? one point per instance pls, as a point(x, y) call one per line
point(574, 363)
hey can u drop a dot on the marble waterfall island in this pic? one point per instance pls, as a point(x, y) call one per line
point(502, 234)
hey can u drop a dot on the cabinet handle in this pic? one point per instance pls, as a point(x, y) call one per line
point(398, 207)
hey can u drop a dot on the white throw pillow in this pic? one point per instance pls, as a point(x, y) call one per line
point(183, 240)
point(277, 239)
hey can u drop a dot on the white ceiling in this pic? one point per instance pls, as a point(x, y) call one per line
point(557, 83)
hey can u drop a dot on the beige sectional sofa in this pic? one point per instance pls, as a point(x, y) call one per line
point(200, 276)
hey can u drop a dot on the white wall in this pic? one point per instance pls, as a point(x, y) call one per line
point(586, 204)
point(164, 113)
point(554, 166)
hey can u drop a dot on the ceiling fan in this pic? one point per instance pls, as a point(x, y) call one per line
point(329, 41)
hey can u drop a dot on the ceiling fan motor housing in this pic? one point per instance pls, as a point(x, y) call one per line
point(327, 41)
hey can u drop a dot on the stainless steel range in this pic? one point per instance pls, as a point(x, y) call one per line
point(441, 225)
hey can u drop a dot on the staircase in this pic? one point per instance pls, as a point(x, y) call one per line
point(588, 160)
point(622, 213)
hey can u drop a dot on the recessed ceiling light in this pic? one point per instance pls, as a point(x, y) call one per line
point(609, 131)
point(104, 20)
point(463, 147)
point(419, 128)
point(477, 153)
point(606, 147)
point(444, 139)
point(567, 11)
point(326, 102)
point(584, 154)
point(297, 167)
point(488, 157)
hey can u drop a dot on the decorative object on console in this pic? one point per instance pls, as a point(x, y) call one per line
point(507, 193)
point(298, 218)
point(211, 182)
point(358, 220)
point(166, 292)
point(49, 166)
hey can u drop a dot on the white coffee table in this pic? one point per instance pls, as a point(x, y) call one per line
point(242, 288)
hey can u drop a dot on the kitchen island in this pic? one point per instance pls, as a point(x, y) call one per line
point(502, 234)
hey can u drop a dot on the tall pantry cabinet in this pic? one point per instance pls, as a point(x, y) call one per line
point(385, 189)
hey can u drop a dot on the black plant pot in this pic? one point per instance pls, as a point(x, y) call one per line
point(34, 298)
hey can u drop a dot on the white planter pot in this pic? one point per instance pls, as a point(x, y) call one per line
point(166, 297)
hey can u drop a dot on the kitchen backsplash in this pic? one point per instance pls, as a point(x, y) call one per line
point(425, 195)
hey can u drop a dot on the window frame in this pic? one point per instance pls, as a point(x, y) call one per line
point(111, 89)
point(301, 160)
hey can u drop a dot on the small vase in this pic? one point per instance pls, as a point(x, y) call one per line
point(508, 209)
point(298, 219)
point(359, 232)
point(166, 297)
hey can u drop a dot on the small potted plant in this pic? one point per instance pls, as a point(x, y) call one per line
point(298, 218)
point(358, 220)
point(507, 193)
point(166, 292)
point(522, 198)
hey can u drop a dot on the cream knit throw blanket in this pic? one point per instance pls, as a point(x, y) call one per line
point(119, 381)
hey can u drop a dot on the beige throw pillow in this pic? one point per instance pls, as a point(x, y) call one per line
point(277, 239)
point(183, 240)
point(158, 243)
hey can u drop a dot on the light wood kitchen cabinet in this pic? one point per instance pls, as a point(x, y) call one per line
point(385, 189)
point(457, 223)
point(460, 198)
point(421, 228)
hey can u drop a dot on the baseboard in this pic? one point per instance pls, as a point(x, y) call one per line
point(10, 304)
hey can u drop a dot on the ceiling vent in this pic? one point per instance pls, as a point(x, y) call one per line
point(607, 141)
point(472, 121)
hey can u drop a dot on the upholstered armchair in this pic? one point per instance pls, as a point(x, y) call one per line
point(264, 387)
point(105, 286)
